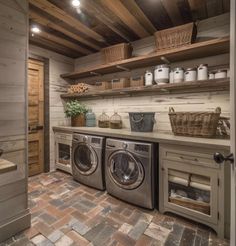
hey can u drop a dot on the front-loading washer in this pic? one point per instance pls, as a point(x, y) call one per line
point(87, 160)
point(129, 171)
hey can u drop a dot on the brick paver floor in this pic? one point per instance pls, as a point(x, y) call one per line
point(65, 213)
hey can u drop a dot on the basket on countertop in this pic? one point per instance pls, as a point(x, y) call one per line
point(103, 120)
point(142, 122)
point(117, 52)
point(194, 124)
point(176, 36)
point(115, 121)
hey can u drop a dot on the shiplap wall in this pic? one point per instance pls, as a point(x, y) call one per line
point(58, 64)
point(14, 215)
point(207, 29)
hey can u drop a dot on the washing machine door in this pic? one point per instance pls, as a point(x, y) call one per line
point(85, 159)
point(125, 170)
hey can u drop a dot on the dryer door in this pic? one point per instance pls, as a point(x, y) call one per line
point(125, 170)
point(85, 159)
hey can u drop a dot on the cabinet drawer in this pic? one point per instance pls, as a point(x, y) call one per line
point(195, 157)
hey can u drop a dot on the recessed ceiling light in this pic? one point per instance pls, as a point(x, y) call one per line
point(75, 3)
point(35, 29)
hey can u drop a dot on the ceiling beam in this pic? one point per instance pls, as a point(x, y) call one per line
point(136, 11)
point(58, 13)
point(46, 22)
point(123, 13)
point(63, 42)
point(173, 11)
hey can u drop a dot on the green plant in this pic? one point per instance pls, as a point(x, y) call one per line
point(75, 108)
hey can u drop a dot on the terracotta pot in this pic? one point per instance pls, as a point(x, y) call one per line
point(78, 120)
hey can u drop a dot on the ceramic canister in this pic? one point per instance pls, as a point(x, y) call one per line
point(148, 77)
point(211, 75)
point(202, 72)
point(178, 74)
point(161, 74)
point(221, 74)
point(190, 74)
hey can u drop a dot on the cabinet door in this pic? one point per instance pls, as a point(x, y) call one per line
point(191, 190)
point(63, 153)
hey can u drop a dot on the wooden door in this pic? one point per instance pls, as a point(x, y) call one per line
point(35, 117)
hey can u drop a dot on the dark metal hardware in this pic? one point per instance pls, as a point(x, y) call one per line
point(35, 128)
point(1, 152)
point(220, 158)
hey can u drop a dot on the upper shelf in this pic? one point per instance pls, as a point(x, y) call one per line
point(193, 51)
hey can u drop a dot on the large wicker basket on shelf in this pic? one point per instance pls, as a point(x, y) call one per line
point(117, 52)
point(176, 36)
point(194, 124)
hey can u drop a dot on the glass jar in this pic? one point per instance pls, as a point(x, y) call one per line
point(178, 74)
point(202, 72)
point(90, 119)
point(148, 77)
point(103, 120)
point(115, 121)
point(190, 74)
point(161, 74)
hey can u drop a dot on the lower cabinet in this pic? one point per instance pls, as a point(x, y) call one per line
point(192, 185)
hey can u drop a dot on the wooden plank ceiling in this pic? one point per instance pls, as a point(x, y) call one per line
point(76, 32)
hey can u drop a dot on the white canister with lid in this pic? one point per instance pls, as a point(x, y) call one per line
point(221, 74)
point(171, 76)
point(178, 74)
point(148, 77)
point(190, 74)
point(202, 72)
point(211, 75)
point(161, 74)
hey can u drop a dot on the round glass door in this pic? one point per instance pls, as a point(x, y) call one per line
point(125, 170)
point(85, 159)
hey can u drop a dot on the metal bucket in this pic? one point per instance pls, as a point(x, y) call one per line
point(142, 122)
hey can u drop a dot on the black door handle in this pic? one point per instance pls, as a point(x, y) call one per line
point(220, 158)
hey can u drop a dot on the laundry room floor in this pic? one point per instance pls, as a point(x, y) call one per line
point(65, 212)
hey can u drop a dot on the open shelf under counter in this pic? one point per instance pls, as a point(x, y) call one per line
point(183, 87)
point(196, 50)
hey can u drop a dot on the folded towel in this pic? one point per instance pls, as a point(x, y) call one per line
point(177, 180)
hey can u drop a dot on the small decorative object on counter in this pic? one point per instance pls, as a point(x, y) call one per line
point(90, 119)
point(202, 72)
point(103, 120)
point(120, 83)
point(194, 124)
point(211, 75)
point(148, 77)
point(136, 81)
point(142, 122)
point(171, 76)
point(161, 74)
point(221, 74)
point(190, 74)
point(178, 75)
point(115, 121)
point(77, 112)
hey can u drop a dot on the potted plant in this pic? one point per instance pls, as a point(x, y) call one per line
point(76, 111)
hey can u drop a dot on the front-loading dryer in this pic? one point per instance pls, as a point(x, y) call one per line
point(87, 160)
point(129, 169)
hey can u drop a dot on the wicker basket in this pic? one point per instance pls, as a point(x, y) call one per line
point(136, 81)
point(104, 85)
point(202, 207)
point(120, 83)
point(117, 52)
point(197, 124)
point(176, 36)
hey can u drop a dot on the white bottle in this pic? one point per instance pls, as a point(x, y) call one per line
point(202, 72)
point(178, 75)
point(162, 74)
point(148, 77)
point(190, 74)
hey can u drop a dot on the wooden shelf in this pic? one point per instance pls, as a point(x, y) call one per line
point(184, 87)
point(193, 51)
point(7, 166)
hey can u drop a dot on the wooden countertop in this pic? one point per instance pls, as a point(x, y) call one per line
point(7, 166)
point(149, 136)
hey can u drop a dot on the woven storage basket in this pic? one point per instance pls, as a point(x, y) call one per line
point(117, 52)
point(176, 36)
point(104, 85)
point(136, 81)
point(120, 83)
point(197, 124)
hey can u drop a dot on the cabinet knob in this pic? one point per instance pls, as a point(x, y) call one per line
point(220, 158)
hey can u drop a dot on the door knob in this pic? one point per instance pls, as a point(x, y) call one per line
point(220, 158)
